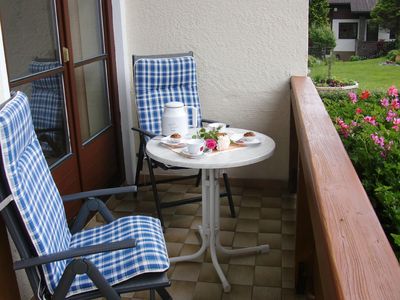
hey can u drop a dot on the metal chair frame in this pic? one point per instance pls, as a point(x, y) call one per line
point(31, 262)
point(152, 164)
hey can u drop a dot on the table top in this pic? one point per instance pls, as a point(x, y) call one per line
point(221, 160)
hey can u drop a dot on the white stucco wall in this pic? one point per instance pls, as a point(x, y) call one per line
point(246, 52)
point(4, 89)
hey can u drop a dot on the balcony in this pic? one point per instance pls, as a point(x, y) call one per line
point(306, 202)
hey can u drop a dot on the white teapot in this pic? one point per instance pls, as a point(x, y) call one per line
point(175, 118)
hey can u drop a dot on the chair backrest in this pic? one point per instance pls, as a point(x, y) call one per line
point(32, 187)
point(47, 97)
point(162, 79)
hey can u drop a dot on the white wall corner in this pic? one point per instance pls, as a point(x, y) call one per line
point(124, 77)
point(4, 88)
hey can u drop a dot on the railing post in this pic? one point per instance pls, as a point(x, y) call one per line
point(293, 155)
point(305, 249)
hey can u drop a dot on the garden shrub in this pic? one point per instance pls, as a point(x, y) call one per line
point(357, 58)
point(369, 126)
point(392, 54)
point(313, 61)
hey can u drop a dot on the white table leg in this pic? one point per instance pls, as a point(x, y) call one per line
point(209, 230)
point(214, 226)
point(204, 229)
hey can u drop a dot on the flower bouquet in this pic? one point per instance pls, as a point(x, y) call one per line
point(215, 140)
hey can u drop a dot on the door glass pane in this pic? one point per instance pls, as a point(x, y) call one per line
point(92, 93)
point(86, 28)
point(29, 32)
point(46, 100)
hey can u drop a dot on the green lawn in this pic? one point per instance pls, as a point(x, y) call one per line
point(370, 74)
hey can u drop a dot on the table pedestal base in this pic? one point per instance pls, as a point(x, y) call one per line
point(209, 230)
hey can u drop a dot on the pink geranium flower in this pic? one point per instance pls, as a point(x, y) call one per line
point(370, 120)
point(395, 104)
point(211, 144)
point(352, 97)
point(358, 110)
point(390, 115)
point(396, 123)
point(344, 128)
point(380, 141)
point(385, 102)
point(392, 91)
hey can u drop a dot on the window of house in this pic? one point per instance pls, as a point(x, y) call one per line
point(392, 35)
point(372, 32)
point(348, 30)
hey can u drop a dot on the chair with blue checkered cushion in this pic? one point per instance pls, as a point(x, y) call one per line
point(160, 79)
point(125, 255)
point(47, 108)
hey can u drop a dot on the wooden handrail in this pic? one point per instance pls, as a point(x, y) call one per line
point(354, 258)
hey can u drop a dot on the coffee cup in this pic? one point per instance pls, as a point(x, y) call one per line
point(195, 146)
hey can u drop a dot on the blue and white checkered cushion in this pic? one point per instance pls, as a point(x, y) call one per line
point(32, 185)
point(47, 106)
point(42, 211)
point(149, 255)
point(162, 80)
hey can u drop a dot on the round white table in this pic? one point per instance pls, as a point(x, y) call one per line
point(211, 164)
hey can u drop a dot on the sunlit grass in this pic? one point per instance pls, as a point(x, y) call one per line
point(370, 74)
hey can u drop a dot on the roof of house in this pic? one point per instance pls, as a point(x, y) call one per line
point(357, 5)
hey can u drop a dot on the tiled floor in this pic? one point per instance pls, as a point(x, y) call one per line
point(261, 219)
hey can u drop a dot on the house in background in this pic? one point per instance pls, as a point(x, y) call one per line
point(355, 34)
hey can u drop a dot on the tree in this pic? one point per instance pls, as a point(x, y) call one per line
point(318, 13)
point(323, 38)
point(387, 14)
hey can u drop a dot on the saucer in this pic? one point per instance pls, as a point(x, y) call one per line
point(239, 139)
point(169, 142)
point(185, 152)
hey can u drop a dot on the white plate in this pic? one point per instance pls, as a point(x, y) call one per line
point(238, 138)
point(186, 153)
point(167, 141)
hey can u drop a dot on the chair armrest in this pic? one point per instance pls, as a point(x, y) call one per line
point(144, 132)
point(75, 252)
point(90, 205)
point(99, 193)
point(208, 121)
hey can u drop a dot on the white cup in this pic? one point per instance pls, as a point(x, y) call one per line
point(195, 146)
point(214, 126)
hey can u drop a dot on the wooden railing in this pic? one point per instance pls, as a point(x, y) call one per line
point(341, 249)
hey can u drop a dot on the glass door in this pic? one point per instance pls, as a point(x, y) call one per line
point(60, 53)
point(93, 90)
point(36, 66)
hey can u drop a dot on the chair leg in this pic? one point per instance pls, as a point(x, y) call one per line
point(198, 179)
point(139, 165)
point(229, 195)
point(163, 294)
point(152, 295)
point(155, 192)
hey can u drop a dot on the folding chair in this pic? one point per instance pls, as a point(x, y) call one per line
point(125, 255)
point(160, 79)
point(47, 108)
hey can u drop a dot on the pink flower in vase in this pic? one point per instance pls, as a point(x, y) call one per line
point(211, 144)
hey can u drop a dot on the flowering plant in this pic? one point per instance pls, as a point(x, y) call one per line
point(369, 126)
point(215, 140)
